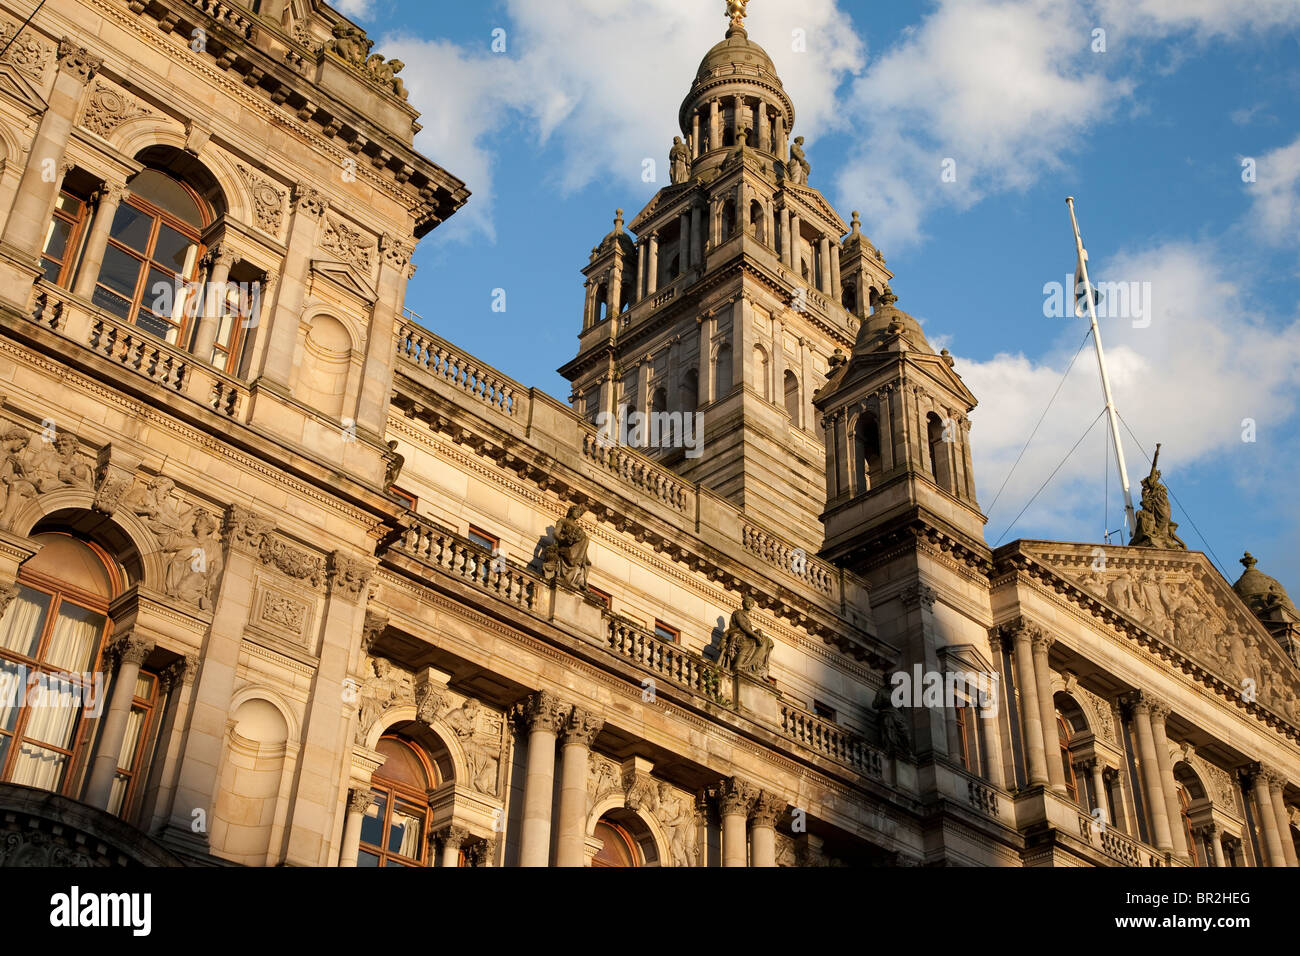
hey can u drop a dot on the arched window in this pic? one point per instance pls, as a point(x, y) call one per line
point(618, 848)
point(756, 220)
point(792, 396)
point(722, 375)
point(762, 379)
point(691, 390)
point(867, 450)
point(938, 449)
point(1063, 737)
point(394, 828)
point(849, 297)
point(964, 730)
point(154, 240)
point(51, 640)
point(1189, 792)
point(728, 219)
point(602, 303)
point(1184, 802)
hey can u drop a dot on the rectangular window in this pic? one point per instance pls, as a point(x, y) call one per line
point(601, 596)
point(63, 238)
point(240, 313)
point(823, 711)
point(408, 500)
point(484, 540)
point(138, 729)
point(666, 633)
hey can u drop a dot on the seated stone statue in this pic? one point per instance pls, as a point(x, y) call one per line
point(744, 646)
point(565, 560)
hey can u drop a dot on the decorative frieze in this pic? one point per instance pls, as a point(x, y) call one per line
point(350, 245)
point(108, 108)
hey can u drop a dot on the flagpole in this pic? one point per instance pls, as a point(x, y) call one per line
point(1105, 377)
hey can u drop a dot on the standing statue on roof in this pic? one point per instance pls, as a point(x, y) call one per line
point(1154, 527)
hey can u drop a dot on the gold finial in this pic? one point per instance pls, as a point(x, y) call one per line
point(736, 10)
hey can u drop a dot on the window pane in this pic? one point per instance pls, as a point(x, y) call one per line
point(144, 685)
point(38, 767)
point(172, 249)
point(118, 793)
point(166, 193)
point(53, 707)
point(75, 638)
point(132, 227)
point(372, 824)
point(68, 204)
point(156, 326)
point(20, 628)
point(56, 238)
point(51, 270)
point(109, 302)
point(120, 271)
point(161, 290)
point(367, 859)
point(13, 687)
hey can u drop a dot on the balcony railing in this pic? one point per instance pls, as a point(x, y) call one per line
point(461, 558)
point(665, 659)
point(636, 470)
point(135, 350)
point(792, 560)
point(442, 359)
point(831, 740)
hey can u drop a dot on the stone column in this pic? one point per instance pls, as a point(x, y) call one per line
point(580, 729)
point(697, 235)
point(824, 272)
point(775, 384)
point(684, 240)
point(38, 189)
point(542, 717)
point(835, 290)
point(1216, 844)
point(652, 266)
point(450, 839)
point(1277, 791)
point(737, 117)
point(177, 686)
point(395, 270)
point(1270, 838)
point(640, 270)
point(990, 727)
point(695, 134)
point(794, 243)
point(108, 198)
point(1042, 642)
point(359, 801)
point(715, 128)
point(309, 206)
point(735, 797)
point(1156, 805)
point(742, 339)
point(782, 146)
point(1159, 713)
point(1099, 788)
point(784, 246)
point(616, 288)
point(1031, 720)
point(705, 370)
point(763, 123)
point(1112, 778)
point(130, 652)
point(767, 809)
point(218, 260)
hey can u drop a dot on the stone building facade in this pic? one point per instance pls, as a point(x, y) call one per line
point(288, 579)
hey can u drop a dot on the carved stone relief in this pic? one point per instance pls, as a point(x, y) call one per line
point(349, 244)
point(108, 108)
point(27, 53)
point(268, 201)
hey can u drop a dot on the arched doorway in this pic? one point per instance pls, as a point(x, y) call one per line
point(626, 840)
point(394, 830)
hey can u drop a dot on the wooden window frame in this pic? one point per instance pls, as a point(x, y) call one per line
point(603, 596)
point(674, 635)
point(76, 235)
point(824, 711)
point(476, 532)
point(393, 790)
point(79, 753)
point(187, 327)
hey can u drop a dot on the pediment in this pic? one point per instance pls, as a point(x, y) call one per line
point(346, 277)
point(1180, 599)
point(17, 84)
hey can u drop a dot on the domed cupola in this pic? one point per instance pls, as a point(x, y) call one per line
point(736, 94)
point(1265, 597)
point(890, 329)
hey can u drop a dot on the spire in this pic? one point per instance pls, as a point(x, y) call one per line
point(618, 221)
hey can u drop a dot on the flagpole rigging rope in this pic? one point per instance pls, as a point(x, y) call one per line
point(1052, 475)
point(1077, 353)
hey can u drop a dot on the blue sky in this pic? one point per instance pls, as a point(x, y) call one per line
point(1149, 134)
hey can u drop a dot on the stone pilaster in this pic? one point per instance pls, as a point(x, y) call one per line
point(130, 651)
point(735, 797)
point(579, 730)
point(541, 716)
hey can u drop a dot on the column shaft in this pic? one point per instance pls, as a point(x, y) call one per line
point(1172, 807)
point(92, 256)
point(1031, 720)
point(99, 790)
point(1156, 806)
point(1047, 714)
point(1283, 822)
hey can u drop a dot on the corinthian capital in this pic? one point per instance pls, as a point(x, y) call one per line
point(918, 595)
point(77, 61)
point(581, 727)
point(130, 649)
point(735, 796)
point(542, 711)
point(359, 800)
point(767, 809)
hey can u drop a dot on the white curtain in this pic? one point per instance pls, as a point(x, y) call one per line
point(13, 689)
point(20, 628)
point(75, 638)
point(410, 827)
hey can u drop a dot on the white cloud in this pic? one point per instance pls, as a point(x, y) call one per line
point(1205, 363)
point(603, 83)
point(1205, 19)
point(1002, 88)
point(353, 8)
point(1276, 193)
